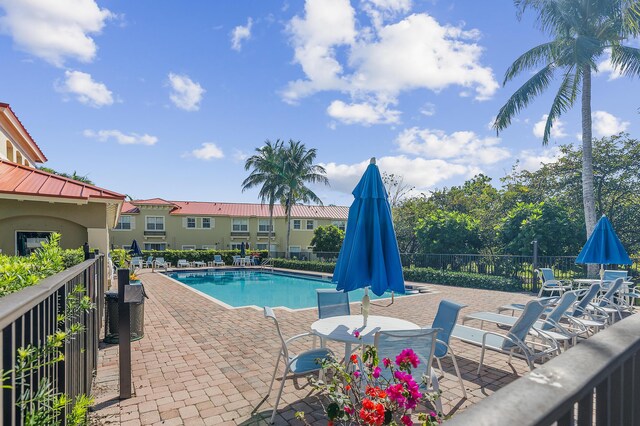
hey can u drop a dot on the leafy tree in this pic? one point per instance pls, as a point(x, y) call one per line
point(448, 232)
point(298, 171)
point(267, 171)
point(581, 31)
point(74, 175)
point(327, 239)
point(547, 222)
point(405, 217)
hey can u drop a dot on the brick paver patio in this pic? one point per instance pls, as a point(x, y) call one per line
point(202, 364)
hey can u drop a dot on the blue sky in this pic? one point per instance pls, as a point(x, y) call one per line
point(166, 98)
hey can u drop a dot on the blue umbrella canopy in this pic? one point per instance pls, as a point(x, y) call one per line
point(603, 246)
point(135, 249)
point(369, 256)
point(242, 250)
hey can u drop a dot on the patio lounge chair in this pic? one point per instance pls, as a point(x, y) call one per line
point(182, 263)
point(199, 263)
point(514, 342)
point(149, 262)
point(608, 303)
point(136, 262)
point(423, 342)
point(445, 321)
point(550, 325)
point(302, 364)
point(236, 260)
point(159, 262)
point(550, 283)
point(247, 261)
point(217, 261)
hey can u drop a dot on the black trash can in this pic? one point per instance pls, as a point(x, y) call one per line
point(136, 311)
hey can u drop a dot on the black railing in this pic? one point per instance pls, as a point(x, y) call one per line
point(596, 382)
point(503, 265)
point(30, 315)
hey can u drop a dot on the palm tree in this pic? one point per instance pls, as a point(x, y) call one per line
point(266, 167)
point(299, 169)
point(582, 31)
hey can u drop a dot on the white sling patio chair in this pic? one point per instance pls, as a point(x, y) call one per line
point(445, 321)
point(609, 303)
point(159, 262)
point(514, 342)
point(331, 303)
point(217, 260)
point(423, 342)
point(302, 364)
point(550, 283)
point(182, 263)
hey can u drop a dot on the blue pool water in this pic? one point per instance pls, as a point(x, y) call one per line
point(244, 288)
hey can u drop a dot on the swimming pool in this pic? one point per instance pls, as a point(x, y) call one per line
point(239, 288)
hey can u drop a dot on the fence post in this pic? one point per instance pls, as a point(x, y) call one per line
point(124, 335)
point(534, 280)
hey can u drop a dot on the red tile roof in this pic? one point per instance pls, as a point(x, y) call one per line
point(199, 208)
point(39, 154)
point(22, 180)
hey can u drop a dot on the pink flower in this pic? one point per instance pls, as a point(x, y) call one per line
point(406, 420)
point(386, 362)
point(396, 394)
point(356, 334)
point(356, 374)
point(348, 410)
point(376, 372)
point(407, 357)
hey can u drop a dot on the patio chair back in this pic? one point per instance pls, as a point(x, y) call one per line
point(332, 303)
point(520, 329)
point(268, 313)
point(445, 320)
point(546, 274)
point(608, 296)
point(610, 275)
point(581, 306)
point(389, 344)
point(566, 301)
point(217, 258)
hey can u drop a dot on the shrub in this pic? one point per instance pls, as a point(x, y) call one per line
point(72, 257)
point(421, 275)
point(200, 255)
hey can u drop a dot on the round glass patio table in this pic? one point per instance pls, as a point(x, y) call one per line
point(341, 329)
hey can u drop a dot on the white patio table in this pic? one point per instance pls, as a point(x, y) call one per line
point(341, 329)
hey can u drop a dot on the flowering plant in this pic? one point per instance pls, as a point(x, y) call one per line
point(369, 392)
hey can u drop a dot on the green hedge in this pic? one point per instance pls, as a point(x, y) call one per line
point(200, 255)
point(421, 275)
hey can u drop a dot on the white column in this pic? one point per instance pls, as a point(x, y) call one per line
point(99, 238)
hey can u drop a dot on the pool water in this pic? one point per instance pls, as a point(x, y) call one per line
point(238, 288)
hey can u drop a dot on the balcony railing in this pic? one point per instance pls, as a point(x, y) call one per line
point(597, 382)
point(27, 317)
point(154, 233)
point(266, 234)
point(239, 233)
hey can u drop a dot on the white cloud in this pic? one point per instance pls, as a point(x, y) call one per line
point(241, 33)
point(428, 109)
point(54, 30)
point(186, 94)
point(120, 137)
point(413, 52)
point(557, 130)
point(606, 67)
point(533, 160)
point(464, 147)
point(239, 155)
point(208, 151)
point(85, 89)
point(421, 173)
point(362, 113)
point(606, 124)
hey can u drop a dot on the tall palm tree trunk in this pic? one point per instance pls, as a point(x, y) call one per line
point(588, 197)
point(287, 254)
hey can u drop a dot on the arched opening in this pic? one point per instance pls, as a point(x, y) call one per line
point(9, 151)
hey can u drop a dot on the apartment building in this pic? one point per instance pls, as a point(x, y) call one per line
point(158, 224)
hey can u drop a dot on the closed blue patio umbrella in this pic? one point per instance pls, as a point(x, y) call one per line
point(242, 250)
point(603, 247)
point(135, 249)
point(369, 256)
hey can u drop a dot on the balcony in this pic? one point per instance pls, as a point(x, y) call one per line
point(239, 233)
point(155, 233)
point(265, 234)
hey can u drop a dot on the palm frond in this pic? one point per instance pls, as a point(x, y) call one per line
point(523, 96)
point(530, 60)
point(626, 59)
point(563, 101)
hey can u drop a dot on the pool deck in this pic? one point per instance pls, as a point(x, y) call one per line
point(203, 364)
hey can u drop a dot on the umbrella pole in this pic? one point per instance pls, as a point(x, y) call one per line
point(365, 305)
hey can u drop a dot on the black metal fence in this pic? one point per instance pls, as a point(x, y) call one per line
point(30, 315)
point(594, 383)
point(503, 265)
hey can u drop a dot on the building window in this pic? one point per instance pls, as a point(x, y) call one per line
point(341, 224)
point(155, 223)
point(206, 222)
point(262, 246)
point(124, 223)
point(263, 225)
point(240, 225)
point(208, 247)
point(155, 246)
point(297, 224)
point(191, 222)
point(310, 225)
point(10, 151)
point(236, 246)
point(189, 247)
point(18, 158)
point(126, 247)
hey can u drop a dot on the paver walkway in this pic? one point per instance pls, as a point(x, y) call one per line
point(200, 363)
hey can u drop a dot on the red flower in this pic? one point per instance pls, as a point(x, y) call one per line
point(372, 413)
point(330, 423)
point(347, 388)
point(386, 362)
point(406, 420)
point(375, 392)
point(354, 358)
